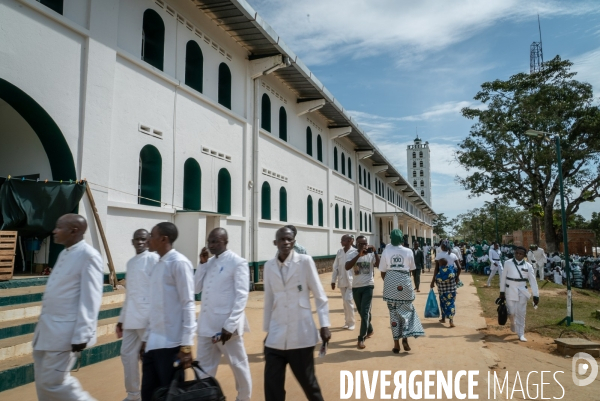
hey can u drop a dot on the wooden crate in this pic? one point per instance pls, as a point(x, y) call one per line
point(8, 246)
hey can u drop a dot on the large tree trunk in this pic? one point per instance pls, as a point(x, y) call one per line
point(550, 230)
point(535, 227)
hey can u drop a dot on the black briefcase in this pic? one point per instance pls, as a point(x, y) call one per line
point(206, 389)
point(502, 311)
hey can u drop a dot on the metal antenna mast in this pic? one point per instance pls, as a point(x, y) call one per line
point(536, 54)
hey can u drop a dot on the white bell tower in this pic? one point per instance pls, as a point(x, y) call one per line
point(418, 168)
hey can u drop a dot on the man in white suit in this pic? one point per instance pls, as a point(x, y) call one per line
point(292, 335)
point(134, 315)
point(67, 324)
point(344, 281)
point(513, 288)
point(224, 280)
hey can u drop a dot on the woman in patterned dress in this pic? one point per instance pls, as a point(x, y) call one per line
point(446, 277)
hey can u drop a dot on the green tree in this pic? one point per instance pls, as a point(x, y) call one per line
point(440, 224)
point(501, 160)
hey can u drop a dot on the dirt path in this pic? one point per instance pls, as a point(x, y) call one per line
point(460, 348)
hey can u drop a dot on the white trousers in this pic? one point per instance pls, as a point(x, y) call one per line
point(53, 380)
point(348, 306)
point(516, 313)
point(494, 269)
point(209, 356)
point(130, 357)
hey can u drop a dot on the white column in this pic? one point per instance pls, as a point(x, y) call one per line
point(395, 218)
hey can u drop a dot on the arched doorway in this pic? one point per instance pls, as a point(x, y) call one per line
point(51, 138)
point(32, 144)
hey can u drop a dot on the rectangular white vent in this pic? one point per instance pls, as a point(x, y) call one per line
point(180, 19)
point(315, 190)
point(365, 208)
point(160, 3)
point(170, 10)
point(216, 153)
point(275, 175)
point(215, 45)
point(314, 124)
point(198, 33)
point(229, 56)
point(206, 39)
point(189, 26)
point(148, 130)
point(272, 90)
point(343, 200)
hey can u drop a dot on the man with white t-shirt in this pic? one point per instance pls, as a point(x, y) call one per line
point(344, 278)
point(362, 261)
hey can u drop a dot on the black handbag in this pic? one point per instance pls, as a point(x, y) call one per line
point(206, 389)
point(502, 311)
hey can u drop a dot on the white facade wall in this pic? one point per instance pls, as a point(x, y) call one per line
point(95, 86)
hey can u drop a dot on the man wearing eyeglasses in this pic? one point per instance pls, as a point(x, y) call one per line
point(69, 317)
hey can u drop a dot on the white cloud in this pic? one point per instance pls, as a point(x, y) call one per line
point(323, 30)
point(586, 66)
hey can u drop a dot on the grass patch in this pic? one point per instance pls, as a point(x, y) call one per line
point(552, 308)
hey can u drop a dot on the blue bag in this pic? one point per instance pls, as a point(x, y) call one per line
point(431, 307)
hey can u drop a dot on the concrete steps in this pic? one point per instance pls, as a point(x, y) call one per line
point(20, 307)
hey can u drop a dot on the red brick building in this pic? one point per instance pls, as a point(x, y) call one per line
point(581, 242)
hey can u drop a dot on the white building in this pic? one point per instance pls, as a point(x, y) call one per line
point(199, 105)
point(418, 167)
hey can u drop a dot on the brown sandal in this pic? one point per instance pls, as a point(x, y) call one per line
point(405, 344)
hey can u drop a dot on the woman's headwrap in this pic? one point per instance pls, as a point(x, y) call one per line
point(397, 237)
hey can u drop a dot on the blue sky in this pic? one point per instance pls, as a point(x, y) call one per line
point(399, 66)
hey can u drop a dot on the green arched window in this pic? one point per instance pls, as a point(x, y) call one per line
point(369, 180)
point(282, 124)
point(343, 163)
point(350, 218)
point(282, 204)
point(344, 217)
point(150, 176)
point(366, 225)
point(309, 141)
point(309, 211)
point(349, 168)
point(224, 192)
point(265, 113)
point(194, 62)
point(54, 5)
point(337, 216)
point(319, 148)
point(335, 160)
point(370, 226)
point(265, 201)
point(360, 175)
point(153, 39)
point(365, 178)
point(224, 97)
point(360, 221)
point(192, 179)
point(320, 213)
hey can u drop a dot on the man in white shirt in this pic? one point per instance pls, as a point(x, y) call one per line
point(362, 261)
point(513, 288)
point(292, 335)
point(395, 266)
point(134, 315)
point(67, 323)
point(344, 279)
point(224, 281)
point(537, 257)
point(495, 263)
point(172, 321)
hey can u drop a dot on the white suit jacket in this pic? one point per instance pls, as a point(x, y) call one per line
point(136, 308)
point(287, 315)
point(344, 277)
point(495, 256)
point(71, 301)
point(512, 288)
point(224, 282)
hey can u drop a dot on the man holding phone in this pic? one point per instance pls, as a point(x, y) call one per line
point(363, 260)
